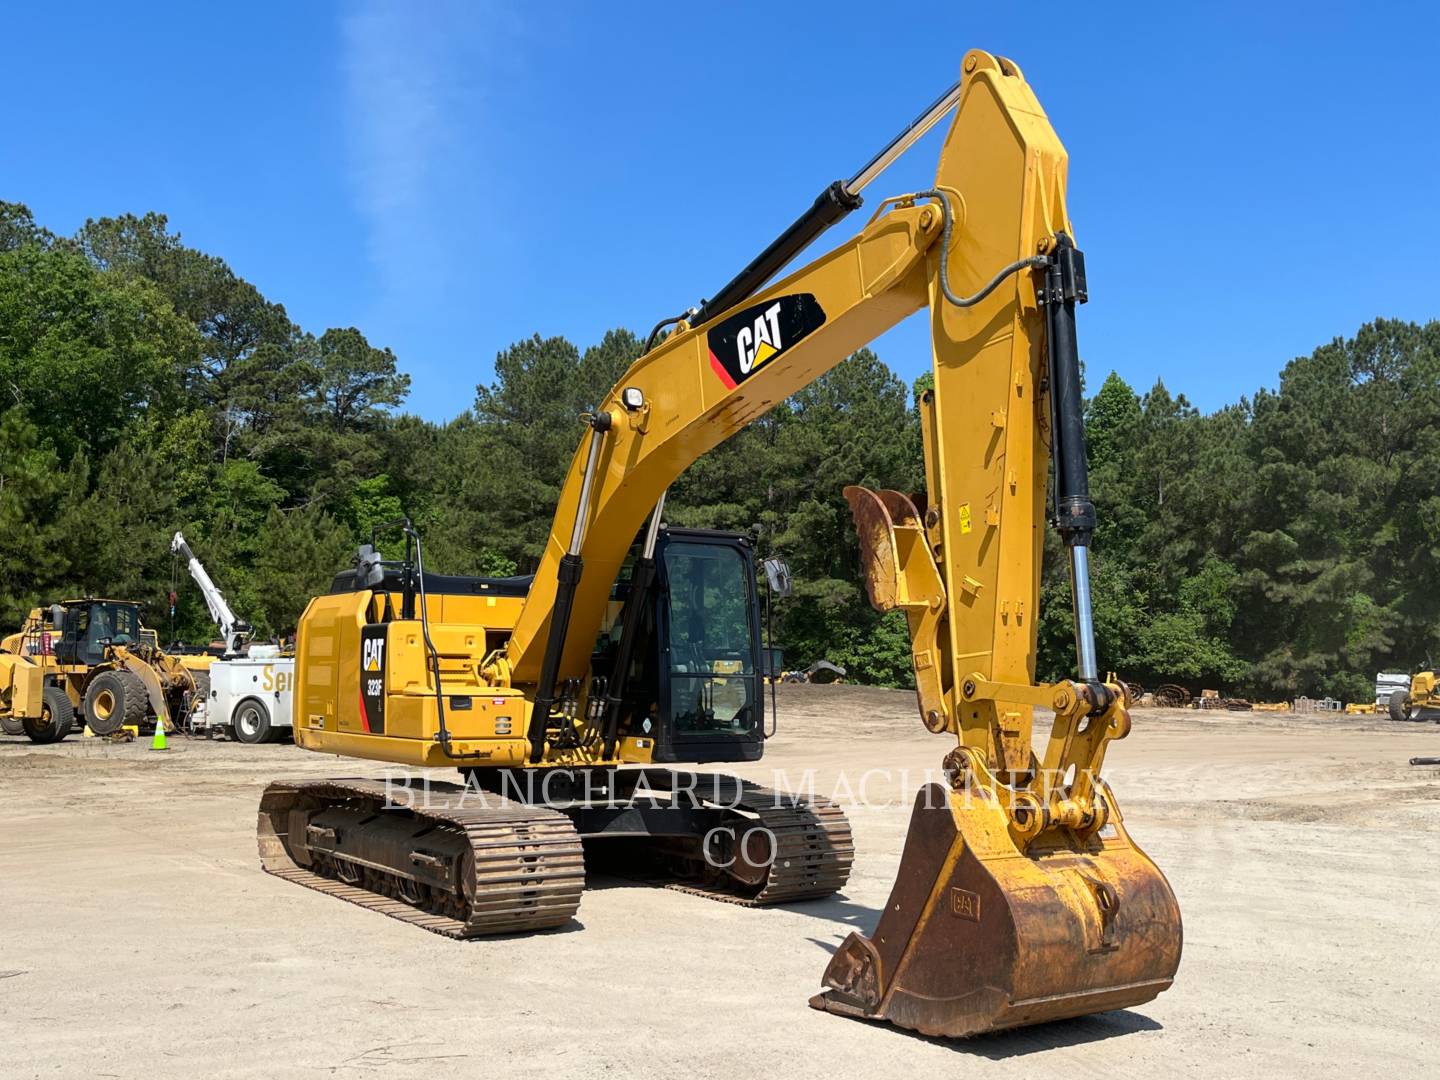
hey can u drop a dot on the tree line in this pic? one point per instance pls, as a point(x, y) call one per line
point(1286, 544)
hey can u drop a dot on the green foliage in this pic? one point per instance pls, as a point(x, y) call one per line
point(116, 539)
point(86, 354)
point(872, 648)
point(370, 504)
point(1111, 419)
point(527, 425)
point(300, 552)
point(1282, 546)
point(18, 228)
point(1286, 544)
point(355, 383)
point(32, 486)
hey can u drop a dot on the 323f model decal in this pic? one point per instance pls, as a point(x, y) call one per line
point(372, 677)
point(745, 341)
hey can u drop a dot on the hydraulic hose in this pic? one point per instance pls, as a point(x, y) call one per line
point(947, 226)
point(434, 653)
point(1063, 286)
point(671, 321)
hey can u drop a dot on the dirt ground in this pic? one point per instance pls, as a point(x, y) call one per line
point(142, 939)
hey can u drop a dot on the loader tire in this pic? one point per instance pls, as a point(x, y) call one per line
point(56, 718)
point(1400, 705)
point(251, 722)
point(113, 700)
point(12, 725)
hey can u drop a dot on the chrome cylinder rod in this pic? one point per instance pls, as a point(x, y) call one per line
point(652, 533)
point(587, 483)
point(902, 142)
point(1084, 613)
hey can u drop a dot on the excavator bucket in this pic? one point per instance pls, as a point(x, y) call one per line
point(977, 937)
point(995, 920)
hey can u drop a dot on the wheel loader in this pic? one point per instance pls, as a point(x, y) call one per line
point(584, 706)
point(93, 661)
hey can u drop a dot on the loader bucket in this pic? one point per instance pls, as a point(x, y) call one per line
point(978, 936)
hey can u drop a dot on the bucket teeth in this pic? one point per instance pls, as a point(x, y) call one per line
point(978, 937)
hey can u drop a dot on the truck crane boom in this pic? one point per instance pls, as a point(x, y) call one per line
point(1020, 896)
point(234, 630)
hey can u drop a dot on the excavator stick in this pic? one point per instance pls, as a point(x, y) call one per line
point(977, 937)
point(1020, 897)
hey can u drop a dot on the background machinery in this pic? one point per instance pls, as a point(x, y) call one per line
point(1417, 700)
point(91, 660)
point(248, 692)
point(634, 648)
point(235, 632)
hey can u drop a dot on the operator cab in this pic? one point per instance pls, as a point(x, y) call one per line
point(84, 627)
point(695, 682)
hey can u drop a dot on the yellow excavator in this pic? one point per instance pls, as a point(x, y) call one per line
point(568, 700)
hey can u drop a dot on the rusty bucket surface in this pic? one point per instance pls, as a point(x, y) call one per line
point(978, 936)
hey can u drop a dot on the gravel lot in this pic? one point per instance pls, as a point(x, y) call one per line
point(143, 940)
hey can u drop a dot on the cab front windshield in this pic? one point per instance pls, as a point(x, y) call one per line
point(119, 623)
point(712, 651)
point(90, 628)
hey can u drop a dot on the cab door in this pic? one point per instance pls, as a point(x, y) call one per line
point(708, 626)
point(72, 646)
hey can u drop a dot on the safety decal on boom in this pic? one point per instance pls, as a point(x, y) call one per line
point(372, 677)
point(755, 336)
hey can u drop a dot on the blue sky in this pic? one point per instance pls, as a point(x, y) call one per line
point(1248, 180)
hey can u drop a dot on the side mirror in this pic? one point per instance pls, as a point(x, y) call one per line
point(57, 618)
point(778, 574)
point(369, 567)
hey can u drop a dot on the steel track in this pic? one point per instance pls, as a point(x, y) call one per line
point(528, 865)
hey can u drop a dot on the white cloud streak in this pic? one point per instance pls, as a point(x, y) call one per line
point(408, 93)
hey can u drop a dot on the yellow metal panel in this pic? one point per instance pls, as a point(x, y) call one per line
point(637, 750)
point(327, 665)
point(494, 612)
point(27, 685)
point(421, 753)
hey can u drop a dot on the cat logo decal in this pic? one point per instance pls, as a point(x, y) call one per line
point(372, 677)
point(749, 339)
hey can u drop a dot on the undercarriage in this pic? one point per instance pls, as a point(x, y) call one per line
point(505, 851)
